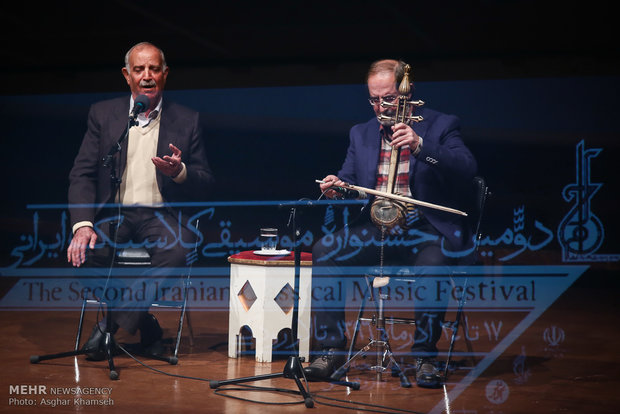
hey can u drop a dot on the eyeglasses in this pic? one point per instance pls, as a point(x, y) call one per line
point(374, 100)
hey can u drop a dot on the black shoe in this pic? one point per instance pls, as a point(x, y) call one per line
point(94, 346)
point(325, 364)
point(427, 373)
point(157, 348)
point(150, 332)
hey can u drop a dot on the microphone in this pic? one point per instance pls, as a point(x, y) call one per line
point(140, 104)
point(349, 194)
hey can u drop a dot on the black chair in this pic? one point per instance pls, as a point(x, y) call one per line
point(136, 258)
point(140, 257)
point(475, 211)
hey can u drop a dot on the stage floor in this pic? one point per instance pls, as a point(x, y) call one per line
point(566, 361)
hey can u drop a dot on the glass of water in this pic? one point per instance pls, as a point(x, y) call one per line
point(268, 239)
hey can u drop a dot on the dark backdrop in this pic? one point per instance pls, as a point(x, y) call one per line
point(279, 84)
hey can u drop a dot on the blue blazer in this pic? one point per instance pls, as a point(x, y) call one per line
point(440, 174)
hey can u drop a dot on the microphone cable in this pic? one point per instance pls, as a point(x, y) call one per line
point(185, 289)
point(337, 403)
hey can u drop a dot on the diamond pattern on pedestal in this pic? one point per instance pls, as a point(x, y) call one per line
point(285, 298)
point(247, 296)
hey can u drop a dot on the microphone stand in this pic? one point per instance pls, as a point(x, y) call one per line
point(108, 339)
point(108, 336)
point(115, 182)
point(293, 368)
point(107, 160)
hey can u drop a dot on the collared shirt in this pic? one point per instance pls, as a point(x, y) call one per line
point(142, 118)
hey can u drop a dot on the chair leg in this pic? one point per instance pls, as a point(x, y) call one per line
point(177, 342)
point(455, 327)
point(78, 336)
point(185, 312)
point(468, 344)
point(191, 329)
point(184, 316)
point(358, 324)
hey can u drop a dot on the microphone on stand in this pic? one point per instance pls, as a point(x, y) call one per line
point(349, 194)
point(140, 104)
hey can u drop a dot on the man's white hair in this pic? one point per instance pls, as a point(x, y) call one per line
point(161, 52)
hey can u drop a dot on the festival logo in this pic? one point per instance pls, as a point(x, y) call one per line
point(497, 391)
point(581, 232)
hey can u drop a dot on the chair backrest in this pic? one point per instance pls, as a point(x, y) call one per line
point(481, 193)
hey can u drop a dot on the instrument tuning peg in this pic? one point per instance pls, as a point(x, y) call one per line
point(419, 102)
point(385, 118)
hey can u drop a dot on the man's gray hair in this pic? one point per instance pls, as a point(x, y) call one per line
point(141, 44)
